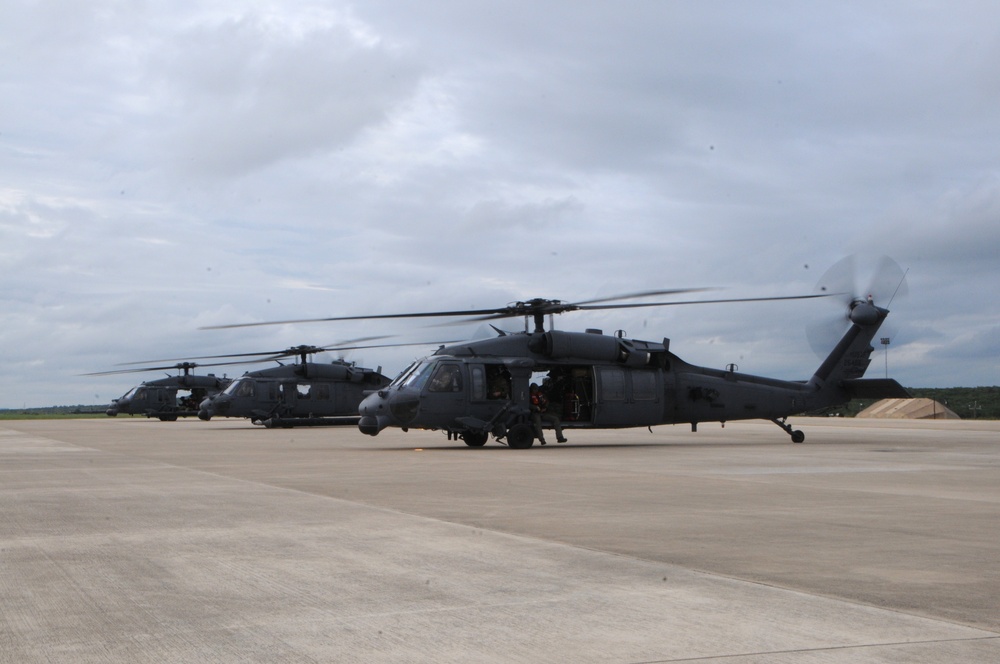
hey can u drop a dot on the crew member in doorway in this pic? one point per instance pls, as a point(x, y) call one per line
point(540, 413)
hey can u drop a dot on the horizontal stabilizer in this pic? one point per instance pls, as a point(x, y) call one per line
point(876, 388)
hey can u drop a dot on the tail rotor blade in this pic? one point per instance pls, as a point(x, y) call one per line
point(840, 280)
point(888, 282)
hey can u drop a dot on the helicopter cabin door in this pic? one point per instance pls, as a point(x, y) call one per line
point(288, 396)
point(444, 394)
point(628, 397)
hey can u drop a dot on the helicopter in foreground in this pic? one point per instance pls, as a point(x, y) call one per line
point(166, 398)
point(475, 390)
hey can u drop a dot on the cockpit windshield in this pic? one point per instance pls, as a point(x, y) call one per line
point(241, 387)
point(403, 374)
point(415, 375)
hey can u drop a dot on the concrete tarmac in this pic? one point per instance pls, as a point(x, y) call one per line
point(133, 540)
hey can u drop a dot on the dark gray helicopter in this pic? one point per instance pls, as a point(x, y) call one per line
point(300, 394)
point(166, 398)
point(481, 388)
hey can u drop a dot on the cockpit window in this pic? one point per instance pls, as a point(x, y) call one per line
point(240, 388)
point(404, 374)
point(418, 376)
point(447, 378)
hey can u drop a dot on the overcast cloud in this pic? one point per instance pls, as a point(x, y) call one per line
point(171, 165)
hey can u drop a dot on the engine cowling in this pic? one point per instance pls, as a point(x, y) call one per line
point(592, 346)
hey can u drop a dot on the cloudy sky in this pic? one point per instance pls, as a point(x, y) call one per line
point(166, 166)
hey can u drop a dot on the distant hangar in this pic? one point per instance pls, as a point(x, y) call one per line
point(909, 409)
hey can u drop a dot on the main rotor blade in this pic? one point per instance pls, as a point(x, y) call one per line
point(536, 307)
point(719, 301)
point(637, 305)
point(175, 367)
point(421, 314)
point(295, 350)
point(273, 356)
point(629, 296)
point(414, 343)
point(504, 312)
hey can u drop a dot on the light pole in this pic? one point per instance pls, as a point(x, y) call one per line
point(885, 342)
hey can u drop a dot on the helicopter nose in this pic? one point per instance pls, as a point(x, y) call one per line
point(217, 405)
point(370, 425)
point(374, 416)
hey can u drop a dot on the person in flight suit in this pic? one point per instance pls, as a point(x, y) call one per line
point(540, 413)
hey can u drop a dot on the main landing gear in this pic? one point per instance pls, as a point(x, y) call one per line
point(796, 434)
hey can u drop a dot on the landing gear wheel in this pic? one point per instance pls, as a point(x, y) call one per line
point(475, 438)
point(797, 435)
point(168, 418)
point(520, 436)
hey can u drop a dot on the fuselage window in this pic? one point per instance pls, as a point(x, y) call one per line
point(478, 377)
point(498, 382)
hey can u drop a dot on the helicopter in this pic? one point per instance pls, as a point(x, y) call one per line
point(484, 388)
point(300, 394)
point(166, 398)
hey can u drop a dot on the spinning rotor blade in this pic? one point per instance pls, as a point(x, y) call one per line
point(630, 296)
point(412, 343)
point(839, 280)
point(538, 308)
point(561, 308)
point(270, 356)
point(471, 312)
point(295, 350)
point(181, 366)
point(887, 282)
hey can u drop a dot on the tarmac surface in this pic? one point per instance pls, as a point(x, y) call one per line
point(133, 540)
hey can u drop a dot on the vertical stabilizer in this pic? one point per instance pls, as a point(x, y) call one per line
point(850, 358)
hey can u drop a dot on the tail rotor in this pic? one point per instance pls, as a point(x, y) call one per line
point(888, 281)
